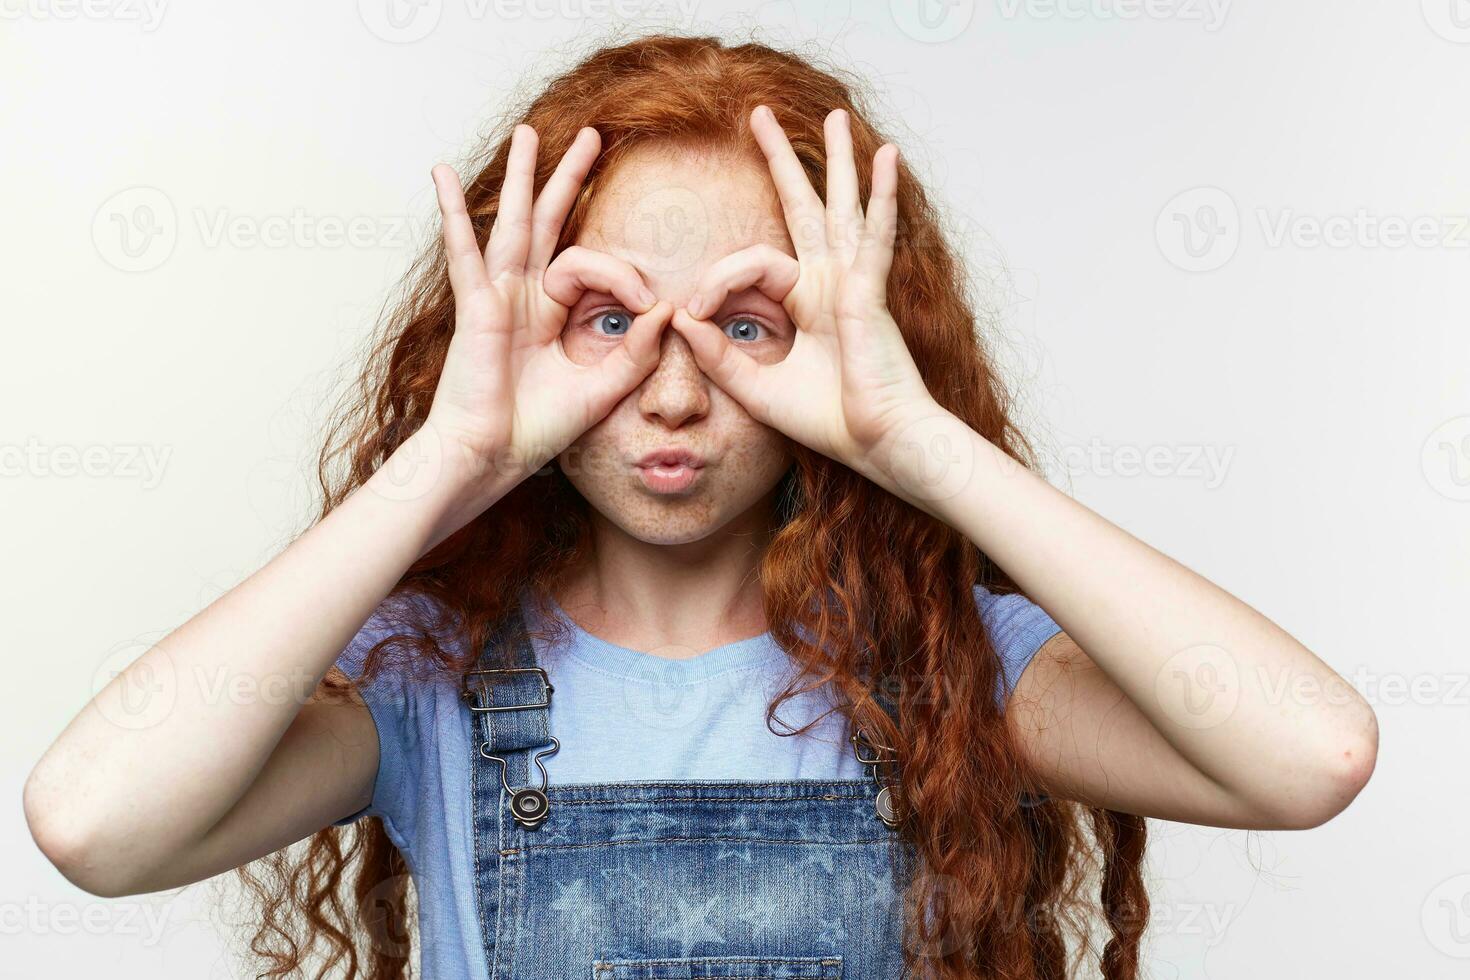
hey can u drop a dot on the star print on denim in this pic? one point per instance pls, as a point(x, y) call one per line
point(571, 897)
point(741, 854)
point(621, 715)
point(689, 922)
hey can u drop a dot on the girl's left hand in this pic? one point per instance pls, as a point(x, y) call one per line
point(848, 387)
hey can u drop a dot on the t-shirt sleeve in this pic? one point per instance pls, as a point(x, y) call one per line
point(390, 698)
point(1018, 627)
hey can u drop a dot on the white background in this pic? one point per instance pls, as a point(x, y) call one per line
point(1075, 146)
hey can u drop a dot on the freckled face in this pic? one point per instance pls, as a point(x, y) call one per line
point(671, 217)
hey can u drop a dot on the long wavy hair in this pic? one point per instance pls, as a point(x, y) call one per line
point(1008, 891)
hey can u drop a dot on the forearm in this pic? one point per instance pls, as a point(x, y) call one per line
point(1216, 678)
point(159, 755)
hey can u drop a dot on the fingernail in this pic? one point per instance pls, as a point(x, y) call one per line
point(695, 307)
point(647, 297)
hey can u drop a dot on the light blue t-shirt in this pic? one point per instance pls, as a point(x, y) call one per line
point(621, 716)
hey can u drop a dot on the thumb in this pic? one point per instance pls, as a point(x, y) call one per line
point(735, 371)
point(630, 362)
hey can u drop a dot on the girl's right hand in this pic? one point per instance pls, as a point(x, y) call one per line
point(509, 399)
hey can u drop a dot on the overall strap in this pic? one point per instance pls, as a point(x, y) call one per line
point(509, 696)
point(869, 753)
point(881, 760)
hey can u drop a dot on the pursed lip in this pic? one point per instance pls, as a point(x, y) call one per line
point(671, 457)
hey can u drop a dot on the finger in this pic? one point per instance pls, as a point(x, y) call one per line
point(578, 269)
point(763, 266)
point(461, 251)
point(551, 209)
point(875, 255)
point(805, 216)
point(630, 362)
point(844, 213)
point(510, 235)
point(735, 371)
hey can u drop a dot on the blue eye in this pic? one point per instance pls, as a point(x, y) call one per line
point(614, 324)
point(743, 329)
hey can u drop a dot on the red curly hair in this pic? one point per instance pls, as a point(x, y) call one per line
point(1010, 889)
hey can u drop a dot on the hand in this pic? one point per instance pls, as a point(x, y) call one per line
point(508, 396)
point(848, 388)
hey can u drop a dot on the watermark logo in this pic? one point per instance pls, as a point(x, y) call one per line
point(662, 693)
point(121, 461)
point(147, 14)
point(937, 21)
point(143, 923)
point(1199, 686)
point(1205, 464)
point(1210, 14)
point(406, 21)
point(1450, 19)
point(932, 21)
point(1446, 459)
point(414, 468)
point(1199, 229)
point(931, 459)
point(400, 21)
point(136, 229)
point(673, 224)
point(1362, 229)
point(382, 912)
point(1445, 917)
point(147, 690)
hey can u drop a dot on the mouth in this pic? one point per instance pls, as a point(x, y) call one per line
point(670, 470)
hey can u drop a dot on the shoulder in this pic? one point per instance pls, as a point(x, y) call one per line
point(396, 629)
point(1011, 617)
point(1017, 628)
point(410, 700)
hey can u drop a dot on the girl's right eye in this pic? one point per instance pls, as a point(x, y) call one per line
point(612, 323)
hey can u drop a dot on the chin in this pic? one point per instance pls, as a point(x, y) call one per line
point(665, 520)
point(678, 519)
point(671, 536)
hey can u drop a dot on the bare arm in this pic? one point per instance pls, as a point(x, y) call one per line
point(194, 778)
point(1185, 702)
point(1089, 743)
point(1167, 696)
point(130, 793)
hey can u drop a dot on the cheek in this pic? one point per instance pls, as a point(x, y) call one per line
point(593, 457)
point(757, 454)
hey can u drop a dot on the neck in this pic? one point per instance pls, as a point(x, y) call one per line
point(675, 600)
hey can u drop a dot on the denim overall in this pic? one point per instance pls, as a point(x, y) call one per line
point(660, 880)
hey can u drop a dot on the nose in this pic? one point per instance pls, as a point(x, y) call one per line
point(676, 392)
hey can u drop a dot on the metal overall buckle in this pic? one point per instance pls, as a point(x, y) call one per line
point(529, 805)
point(867, 749)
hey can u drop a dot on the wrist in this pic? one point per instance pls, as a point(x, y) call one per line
point(925, 458)
point(442, 485)
point(934, 459)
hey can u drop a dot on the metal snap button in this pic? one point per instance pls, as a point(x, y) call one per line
point(529, 807)
point(887, 809)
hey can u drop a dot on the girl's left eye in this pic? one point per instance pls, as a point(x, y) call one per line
point(613, 323)
point(743, 328)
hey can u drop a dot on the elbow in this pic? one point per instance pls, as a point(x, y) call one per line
point(1333, 783)
point(68, 845)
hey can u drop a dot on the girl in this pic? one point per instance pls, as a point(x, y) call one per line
point(698, 610)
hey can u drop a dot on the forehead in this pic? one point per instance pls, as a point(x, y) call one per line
point(671, 213)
